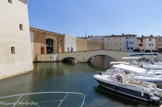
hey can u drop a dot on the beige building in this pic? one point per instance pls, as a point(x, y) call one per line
point(88, 45)
point(15, 46)
point(158, 43)
point(45, 42)
point(141, 43)
point(115, 43)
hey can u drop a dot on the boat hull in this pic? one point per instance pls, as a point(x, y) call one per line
point(125, 91)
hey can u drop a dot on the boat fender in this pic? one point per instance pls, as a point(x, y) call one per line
point(142, 92)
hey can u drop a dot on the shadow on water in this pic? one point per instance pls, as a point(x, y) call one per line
point(124, 100)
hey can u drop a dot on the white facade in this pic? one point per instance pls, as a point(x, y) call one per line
point(97, 38)
point(150, 43)
point(70, 43)
point(114, 43)
point(15, 45)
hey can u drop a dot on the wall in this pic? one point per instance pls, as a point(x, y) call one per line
point(70, 43)
point(32, 44)
point(94, 45)
point(11, 16)
point(81, 44)
point(87, 45)
point(114, 43)
point(97, 38)
point(60, 41)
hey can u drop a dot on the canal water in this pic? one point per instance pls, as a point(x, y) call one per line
point(64, 77)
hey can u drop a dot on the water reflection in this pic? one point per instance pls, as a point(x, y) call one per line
point(101, 61)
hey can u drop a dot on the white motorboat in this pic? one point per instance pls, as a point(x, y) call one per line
point(157, 79)
point(151, 57)
point(120, 79)
point(154, 76)
point(143, 63)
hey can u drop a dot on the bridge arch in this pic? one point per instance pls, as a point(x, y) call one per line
point(112, 59)
point(70, 59)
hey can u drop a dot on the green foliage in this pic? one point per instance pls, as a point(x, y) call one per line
point(136, 50)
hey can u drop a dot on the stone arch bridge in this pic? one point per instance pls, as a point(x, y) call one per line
point(83, 56)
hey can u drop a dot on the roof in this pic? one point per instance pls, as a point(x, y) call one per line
point(45, 31)
point(123, 35)
point(130, 68)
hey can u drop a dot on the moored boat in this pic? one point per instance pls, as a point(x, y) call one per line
point(120, 79)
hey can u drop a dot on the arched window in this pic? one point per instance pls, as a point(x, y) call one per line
point(49, 46)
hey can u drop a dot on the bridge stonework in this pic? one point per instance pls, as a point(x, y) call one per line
point(81, 56)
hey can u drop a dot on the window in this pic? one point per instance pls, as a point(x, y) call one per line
point(149, 44)
point(152, 45)
point(141, 40)
point(10, 1)
point(161, 44)
point(159, 39)
point(131, 48)
point(21, 27)
point(12, 50)
point(116, 43)
point(150, 39)
point(158, 44)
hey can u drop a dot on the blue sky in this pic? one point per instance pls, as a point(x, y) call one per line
point(97, 17)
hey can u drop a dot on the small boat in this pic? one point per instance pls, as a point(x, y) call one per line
point(157, 79)
point(154, 76)
point(120, 79)
point(143, 63)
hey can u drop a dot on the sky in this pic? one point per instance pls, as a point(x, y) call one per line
point(97, 17)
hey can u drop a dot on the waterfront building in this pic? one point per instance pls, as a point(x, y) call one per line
point(70, 43)
point(150, 43)
point(114, 42)
point(120, 42)
point(141, 43)
point(15, 46)
point(158, 41)
point(88, 45)
point(46, 42)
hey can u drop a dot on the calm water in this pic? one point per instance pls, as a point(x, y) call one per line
point(66, 77)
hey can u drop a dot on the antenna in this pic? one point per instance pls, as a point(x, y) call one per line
point(86, 33)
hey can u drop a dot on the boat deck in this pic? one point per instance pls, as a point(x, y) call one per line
point(140, 83)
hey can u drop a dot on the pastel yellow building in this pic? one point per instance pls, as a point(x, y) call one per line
point(15, 46)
